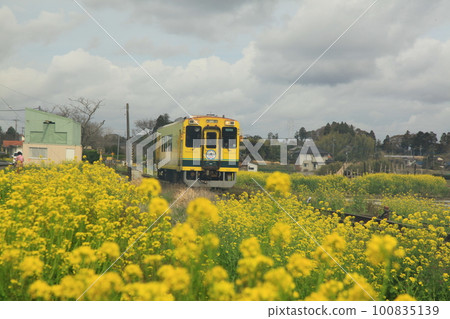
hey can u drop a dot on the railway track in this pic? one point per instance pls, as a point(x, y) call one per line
point(384, 217)
point(357, 218)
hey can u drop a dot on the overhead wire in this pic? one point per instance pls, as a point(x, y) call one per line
point(24, 94)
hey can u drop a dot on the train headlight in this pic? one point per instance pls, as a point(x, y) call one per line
point(229, 122)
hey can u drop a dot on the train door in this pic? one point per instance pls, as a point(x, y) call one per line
point(211, 148)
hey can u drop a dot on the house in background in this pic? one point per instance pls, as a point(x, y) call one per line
point(250, 167)
point(51, 137)
point(11, 147)
point(312, 160)
point(309, 162)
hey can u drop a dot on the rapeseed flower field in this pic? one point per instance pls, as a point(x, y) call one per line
point(81, 232)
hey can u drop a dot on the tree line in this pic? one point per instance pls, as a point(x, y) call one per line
point(345, 143)
point(420, 143)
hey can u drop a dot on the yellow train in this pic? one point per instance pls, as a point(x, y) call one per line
point(201, 148)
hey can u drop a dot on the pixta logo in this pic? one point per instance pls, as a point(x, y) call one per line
point(149, 143)
point(309, 151)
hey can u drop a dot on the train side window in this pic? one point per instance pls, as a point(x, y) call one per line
point(169, 143)
point(166, 143)
point(229, 136)
point(211, 139)
point(193, 132)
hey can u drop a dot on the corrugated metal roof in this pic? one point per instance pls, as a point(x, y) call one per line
point(12, 143)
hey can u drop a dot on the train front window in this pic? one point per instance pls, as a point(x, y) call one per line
point(211, 140)
point(229, 136)
point(193, 132)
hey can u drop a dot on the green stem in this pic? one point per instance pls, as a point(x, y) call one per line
point(386, 280)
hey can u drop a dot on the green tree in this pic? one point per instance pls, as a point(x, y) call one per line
point(301, 134)
point(272, 136)
point(406, 141)
point(425, 142)
point(11, 134)
point(345, 146)
point(387, 146)
point(162, 120)
point(444, 143)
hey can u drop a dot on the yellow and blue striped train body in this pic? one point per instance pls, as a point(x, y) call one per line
point(201, 148)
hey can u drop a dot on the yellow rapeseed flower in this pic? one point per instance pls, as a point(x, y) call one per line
point(334, 245)
point(250, 247)
point(261, 292)
point(281, 279)
point(251, 269)
point(108, 286)
point(82, 255)
point(176, 278)
point(200, 212)
point(404, 297)
point(150, 291)
point(72, 287)
point(210, 242)
point(10, 255)
point(149, 187)
point(281, 234)
point(380, 249)
point(158, 206)
point(357, 289)
point(215, 274)
point(299, 266)
point(40, 290)
point(279, 183)
point(184, 238)
point(110, 249)
point(31, 266)
point(327, 291)
point(132, 273)
point(153, 260)
point(51, 211)
point(221, 291)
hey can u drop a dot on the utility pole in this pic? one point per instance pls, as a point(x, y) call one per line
point(128, 137)
point(333, 148)
point(15, 129)
point(118, 146)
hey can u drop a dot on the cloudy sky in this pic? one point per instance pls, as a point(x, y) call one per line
point(390, 71)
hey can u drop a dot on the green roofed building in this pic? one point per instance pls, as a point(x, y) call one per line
point(51, 137)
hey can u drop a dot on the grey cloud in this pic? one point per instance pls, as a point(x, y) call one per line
point(284, 53)
point(207, 19)
point(43, 29)
point(419, 73)
point(144, 46)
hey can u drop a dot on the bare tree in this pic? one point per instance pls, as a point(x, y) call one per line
point(82, 110)
point(151, 125)
point(146, 125)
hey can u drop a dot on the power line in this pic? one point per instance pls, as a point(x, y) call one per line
point(17, 115)
point(29, 96)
